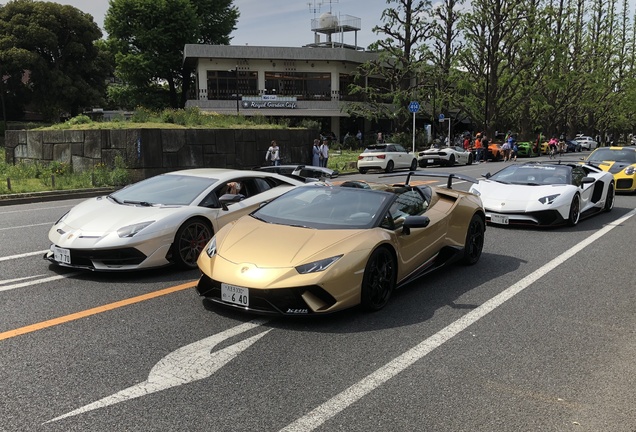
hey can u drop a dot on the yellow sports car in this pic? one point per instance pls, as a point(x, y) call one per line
point(619, 161)
point(319, 249)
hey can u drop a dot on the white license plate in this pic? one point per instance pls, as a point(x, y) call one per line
point(499, 219)
point(370, 158)
point(61, 255)
point(235, 295)
point(430, 161)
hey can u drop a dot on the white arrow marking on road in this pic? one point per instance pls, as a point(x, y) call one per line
point(187, 364)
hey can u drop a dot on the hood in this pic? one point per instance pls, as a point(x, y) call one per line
point(513, 198)
point(101, 215)
point(252, 241)
point(612, 167)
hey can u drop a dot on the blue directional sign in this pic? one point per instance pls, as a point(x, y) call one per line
point(441, 117)
point(414, 106)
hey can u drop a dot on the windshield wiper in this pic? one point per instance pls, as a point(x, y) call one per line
point(141, 203)
point(114, 199)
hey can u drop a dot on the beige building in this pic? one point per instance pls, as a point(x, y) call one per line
point(301, 82)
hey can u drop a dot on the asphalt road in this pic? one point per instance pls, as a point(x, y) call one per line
point(540, 335)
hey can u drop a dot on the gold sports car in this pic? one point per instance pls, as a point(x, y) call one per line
point(620, 162)
point(319, 248)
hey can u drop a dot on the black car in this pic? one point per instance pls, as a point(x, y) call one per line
point(572, 146)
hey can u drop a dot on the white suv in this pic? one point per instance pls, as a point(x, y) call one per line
point(386, 157)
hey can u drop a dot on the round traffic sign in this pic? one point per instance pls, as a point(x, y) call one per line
point(414, 106)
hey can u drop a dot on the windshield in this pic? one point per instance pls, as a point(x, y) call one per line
point(605, 154)
point(324, 207)
point(164, 190)
point(533, 175)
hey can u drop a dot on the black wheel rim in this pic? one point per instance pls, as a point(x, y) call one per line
point(475, 241)
point(609, 204)
point(389, 166)
point(574, 211)
point(380, 279)
point(192, 241)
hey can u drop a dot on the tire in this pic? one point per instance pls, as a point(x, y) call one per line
point(189, 242)
point(474, 244)
point(378, 281)
point(609, 199)
point(574, 213)
point(362, 170)
point(414, 165)
point(451, 160)
point(470, 159)
point(389, 167)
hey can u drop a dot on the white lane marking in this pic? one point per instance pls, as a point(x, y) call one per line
point(28, 254)
point(36, 209)
point(27, 226)
point(338, 403)
point(2, 282)
point(38, 281)
point(187, 364)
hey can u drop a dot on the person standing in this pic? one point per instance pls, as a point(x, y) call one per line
point(324, 153)
point(315, 153)
point(478, 148)
point(380, 139)
point(273, 154)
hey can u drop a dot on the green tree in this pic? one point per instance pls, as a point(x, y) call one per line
point(148, 37)
point(401, 53)
point(49, 57)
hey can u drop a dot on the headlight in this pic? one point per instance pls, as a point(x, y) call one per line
point(475, 191)
point(317, 266)
point(131, 230)
point(548, 199)
point(211, 247)
point(630, 170)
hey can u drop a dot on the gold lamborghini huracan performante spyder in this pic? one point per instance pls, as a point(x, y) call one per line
point(319, 249)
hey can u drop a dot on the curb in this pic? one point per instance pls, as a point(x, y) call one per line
point(35, 197)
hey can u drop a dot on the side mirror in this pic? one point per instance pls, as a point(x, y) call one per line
point(487, 175)
point(414, 222)
point(587, 180)
point(227, 199)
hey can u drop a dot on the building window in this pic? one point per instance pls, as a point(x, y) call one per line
point(223, 85)
point(302, 85)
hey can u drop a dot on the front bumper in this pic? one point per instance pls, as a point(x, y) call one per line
point(297, 301)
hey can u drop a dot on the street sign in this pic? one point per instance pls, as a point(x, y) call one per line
point(441, 117)
point(414, 107)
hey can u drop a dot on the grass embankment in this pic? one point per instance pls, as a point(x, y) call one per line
point(29, 177)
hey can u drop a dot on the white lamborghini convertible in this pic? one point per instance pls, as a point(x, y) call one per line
point(166, 219)
point(545, 194)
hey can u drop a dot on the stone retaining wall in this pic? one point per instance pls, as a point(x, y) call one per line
point(148, 152)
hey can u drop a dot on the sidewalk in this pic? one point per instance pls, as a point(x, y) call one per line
point(35, 197)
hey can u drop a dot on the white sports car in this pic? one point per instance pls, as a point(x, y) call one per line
point(446, 156)
point(162, 220)
point(544, 194)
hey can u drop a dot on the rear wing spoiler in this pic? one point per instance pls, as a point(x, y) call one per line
point(448, 176)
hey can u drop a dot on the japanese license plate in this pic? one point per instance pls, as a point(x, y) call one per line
point(499, 219)
point(235, 295)
point(430, 161)
point(61, 255)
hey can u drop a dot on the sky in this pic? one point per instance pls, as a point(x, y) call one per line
point(284, 23)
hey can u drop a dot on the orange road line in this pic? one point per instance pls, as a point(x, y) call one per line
point(88, 312)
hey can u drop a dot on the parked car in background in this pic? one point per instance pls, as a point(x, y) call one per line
point(526, 149)
point(587, 142)
point(445, 156)
point(306, 173)
point(618, 161)
point(386, 157)
point(573, 146)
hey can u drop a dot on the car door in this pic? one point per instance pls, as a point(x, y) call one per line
point(421, 244)
point(585, 189)
point(403, 159)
